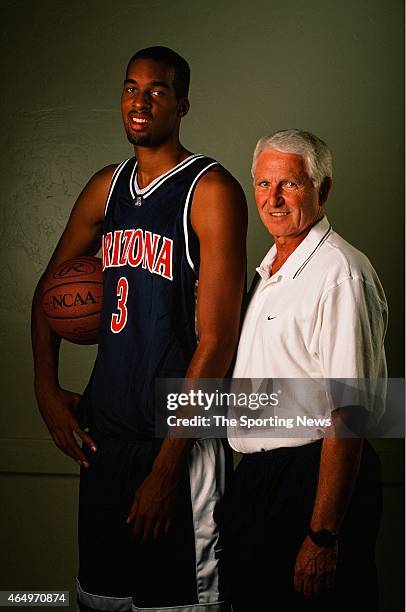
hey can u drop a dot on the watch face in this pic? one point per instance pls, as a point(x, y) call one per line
point(324, 538)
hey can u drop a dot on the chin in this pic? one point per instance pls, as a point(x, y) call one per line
point(278, 229)
point(139, 140)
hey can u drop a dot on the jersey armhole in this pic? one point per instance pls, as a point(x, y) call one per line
point(187, 226)
point(114, 178)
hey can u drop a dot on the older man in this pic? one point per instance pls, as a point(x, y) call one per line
point(304, 511)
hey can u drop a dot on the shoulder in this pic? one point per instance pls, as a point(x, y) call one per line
point(219, 210)
point(344, 258)
point(346, 265)
point(218, 179)
point(103, 177)
point(89, 207)
point(218, 195)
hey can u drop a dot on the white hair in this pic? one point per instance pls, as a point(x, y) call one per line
point(314, 151)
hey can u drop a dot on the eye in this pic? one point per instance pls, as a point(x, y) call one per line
point(263, 183)
point(130, 89)
point(289, 185)
point(157, 92)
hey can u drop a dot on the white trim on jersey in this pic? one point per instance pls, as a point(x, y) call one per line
point(103, 602)
point(157, 182)
point(215, 607)
point(125, 604)
point(132, 177)
point(207, 483)
point(114, 178)
point(185, 212)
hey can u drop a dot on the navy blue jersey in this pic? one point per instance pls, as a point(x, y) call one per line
point(150, 267)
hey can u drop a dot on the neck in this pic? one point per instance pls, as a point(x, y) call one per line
point(152, 162)
point(285, 245)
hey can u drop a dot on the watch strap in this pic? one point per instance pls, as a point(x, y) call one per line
point(323, 538)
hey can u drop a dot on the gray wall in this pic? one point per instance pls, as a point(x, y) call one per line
point(333, 67)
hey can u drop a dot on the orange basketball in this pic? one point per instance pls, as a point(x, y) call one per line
point(72, 299)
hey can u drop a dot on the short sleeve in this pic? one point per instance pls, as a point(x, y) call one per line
point(353, 326)
point(351, 345)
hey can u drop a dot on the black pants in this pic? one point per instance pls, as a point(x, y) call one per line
point(267, 516)
point(111, 564)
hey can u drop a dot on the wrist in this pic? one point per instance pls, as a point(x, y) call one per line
point(325, 538)
point(170, 462)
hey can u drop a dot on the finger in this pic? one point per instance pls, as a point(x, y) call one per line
point(318, 585)
point(159, 529)
point(61, 442)
point(298, 581)
point(75, 449)
point(149, 529)
point(133, 511)
point(167, 526)
point(138, 528)
point(308, 586)
point(308, 579)
point(321, 574)
point(86, 438)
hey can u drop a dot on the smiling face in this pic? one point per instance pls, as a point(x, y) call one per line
point(287, 200)
point(150, 109)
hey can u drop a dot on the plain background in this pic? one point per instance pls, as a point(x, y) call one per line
point(331, 67)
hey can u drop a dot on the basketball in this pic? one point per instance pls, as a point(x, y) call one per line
point(72, 299)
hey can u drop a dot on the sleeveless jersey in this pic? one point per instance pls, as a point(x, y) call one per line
point(150, 268)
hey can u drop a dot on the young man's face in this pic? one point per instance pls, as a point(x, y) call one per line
point(150, 109)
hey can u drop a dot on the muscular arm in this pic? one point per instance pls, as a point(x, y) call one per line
point(219, 218)
point(80, 237)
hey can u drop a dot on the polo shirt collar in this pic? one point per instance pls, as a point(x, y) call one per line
point(300, 256)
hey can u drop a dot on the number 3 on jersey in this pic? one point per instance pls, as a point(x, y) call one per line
point(118, 320)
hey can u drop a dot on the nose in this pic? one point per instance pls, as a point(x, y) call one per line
point(274, 196)
point(141, 101)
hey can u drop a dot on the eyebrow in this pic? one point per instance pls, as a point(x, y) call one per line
point(151, 84)
point(294, 179)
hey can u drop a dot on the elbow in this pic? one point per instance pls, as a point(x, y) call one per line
point(219, 347)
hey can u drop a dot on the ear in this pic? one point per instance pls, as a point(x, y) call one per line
point(183, 107)
point(324, 190)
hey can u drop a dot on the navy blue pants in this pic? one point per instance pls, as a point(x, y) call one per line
point(160, 573)
point(267, 517)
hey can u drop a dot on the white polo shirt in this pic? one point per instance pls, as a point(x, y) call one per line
point(322, 315)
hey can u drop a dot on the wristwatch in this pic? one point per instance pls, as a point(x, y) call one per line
point(323, 538)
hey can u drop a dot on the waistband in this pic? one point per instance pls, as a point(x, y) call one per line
point(284, 451)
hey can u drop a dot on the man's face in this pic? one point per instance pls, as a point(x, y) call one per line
point(149, 106)
point(287, 200)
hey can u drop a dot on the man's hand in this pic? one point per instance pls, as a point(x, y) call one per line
point(315, 568)
point(57, 408)
point(154, 506)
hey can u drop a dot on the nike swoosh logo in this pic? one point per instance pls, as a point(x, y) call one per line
point(270, 318)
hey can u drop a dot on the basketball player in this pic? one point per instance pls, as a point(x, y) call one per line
point(172, 230)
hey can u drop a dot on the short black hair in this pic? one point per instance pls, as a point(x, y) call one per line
point(181, 79)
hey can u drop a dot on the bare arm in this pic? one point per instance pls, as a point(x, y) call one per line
point(339, 466)
point(80, 237)
point(219, 218)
